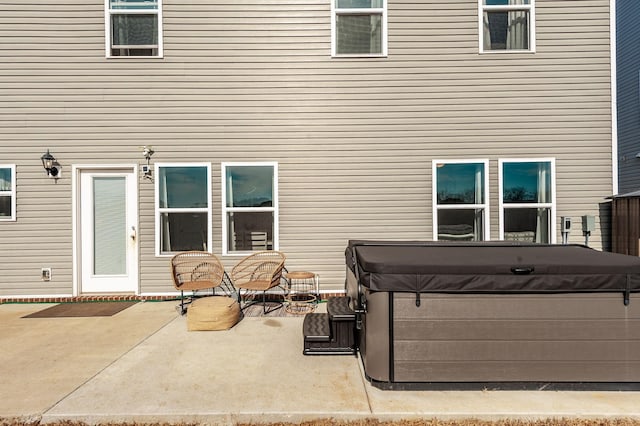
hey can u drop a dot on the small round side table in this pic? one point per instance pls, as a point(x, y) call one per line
point(303, 292)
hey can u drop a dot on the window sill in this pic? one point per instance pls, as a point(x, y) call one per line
point(504, 52)
point(358, 56)
point(133, 57)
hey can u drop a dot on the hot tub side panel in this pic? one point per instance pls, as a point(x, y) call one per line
point(375, 339)
point(513, 338)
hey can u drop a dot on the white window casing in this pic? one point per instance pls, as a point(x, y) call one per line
point(546, 201)
point(254, 227)
point(132, 8)
point(479, 226)
point(201, 238)
point(515, 34)
point(7, 192)
point(338, 11)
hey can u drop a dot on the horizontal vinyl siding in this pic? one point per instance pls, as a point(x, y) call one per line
point(628, 101)
point(254, 81)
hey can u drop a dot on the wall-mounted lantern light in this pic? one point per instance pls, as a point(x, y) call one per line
point(51, 165)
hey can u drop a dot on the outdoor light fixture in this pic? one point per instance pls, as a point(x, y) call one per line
point(51, 165)
point(147, 152)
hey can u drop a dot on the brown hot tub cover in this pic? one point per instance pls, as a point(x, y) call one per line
point(490, 267)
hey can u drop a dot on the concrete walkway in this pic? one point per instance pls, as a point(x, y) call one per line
point(143, 365)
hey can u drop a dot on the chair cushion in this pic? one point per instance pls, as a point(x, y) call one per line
point(213, 313)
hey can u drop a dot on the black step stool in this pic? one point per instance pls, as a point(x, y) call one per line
point(332, 333)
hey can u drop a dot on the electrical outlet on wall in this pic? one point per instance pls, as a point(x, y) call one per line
point(46, 274)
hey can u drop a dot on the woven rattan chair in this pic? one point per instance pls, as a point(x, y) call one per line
point(258, 272)
point(193, 271)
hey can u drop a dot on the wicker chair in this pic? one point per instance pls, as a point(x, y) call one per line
point(193, 271)
point(258, 272)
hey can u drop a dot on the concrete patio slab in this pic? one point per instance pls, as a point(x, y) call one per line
point(143, 365)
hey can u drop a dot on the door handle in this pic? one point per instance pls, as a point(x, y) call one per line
point(132, 233)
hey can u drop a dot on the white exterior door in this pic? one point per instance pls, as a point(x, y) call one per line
point(108, 247)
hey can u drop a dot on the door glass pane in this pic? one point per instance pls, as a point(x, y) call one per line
point(527, 182)
point(460, 183)
point(183, 231)
point(249, 186)
point(134, 30)
point(183, 187)
point(250, 231)
point(359, 34)
point(109, 226)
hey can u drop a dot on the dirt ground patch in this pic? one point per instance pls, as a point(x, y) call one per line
point(373, 422)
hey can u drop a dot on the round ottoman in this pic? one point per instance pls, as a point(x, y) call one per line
point(213, 313)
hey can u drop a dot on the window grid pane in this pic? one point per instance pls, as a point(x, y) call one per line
point(359, 4)
point(5, 179)
point(5, 206)
point(183, 187)
point(134, 30)
point(249, 186)
point(133, 4)
point(506, 30)
point(505, 2)
point(183, 232)
point(460, 183)
point(359, 34)
point(526, 182)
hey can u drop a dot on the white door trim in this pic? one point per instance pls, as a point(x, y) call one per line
point(76, 171)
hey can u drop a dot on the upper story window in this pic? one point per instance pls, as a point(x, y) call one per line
point(133, 28)
point(7, 192)
point(183, 207)
point(359, 28)
point(250, 207)
point(527, 200)
point(507, 25)
point(461, 200)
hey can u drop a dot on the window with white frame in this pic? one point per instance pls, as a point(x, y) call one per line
point(7, 192)
point(507, 25)
point(133, 28)
point(461, 200)
point(250, 207)
point(183, 207)
point(359, 28)
point(527, 200)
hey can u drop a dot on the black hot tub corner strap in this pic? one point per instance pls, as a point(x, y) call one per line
point(418, 299)
point(627, 291)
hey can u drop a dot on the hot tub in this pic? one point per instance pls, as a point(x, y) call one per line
point(495, 315)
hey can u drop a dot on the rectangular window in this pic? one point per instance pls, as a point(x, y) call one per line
point(527, 200)
point(461, 200)
point(183, 207)
point(133, 28)
point(250, 207)
point(359, 28)
point(507, 25)
point(7, 192)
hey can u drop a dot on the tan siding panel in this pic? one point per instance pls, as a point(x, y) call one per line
point(254, 81)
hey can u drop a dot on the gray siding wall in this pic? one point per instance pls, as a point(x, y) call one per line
point(628, 94)
point(254, 81)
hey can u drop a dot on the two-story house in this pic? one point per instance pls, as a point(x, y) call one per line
point(134, 129)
